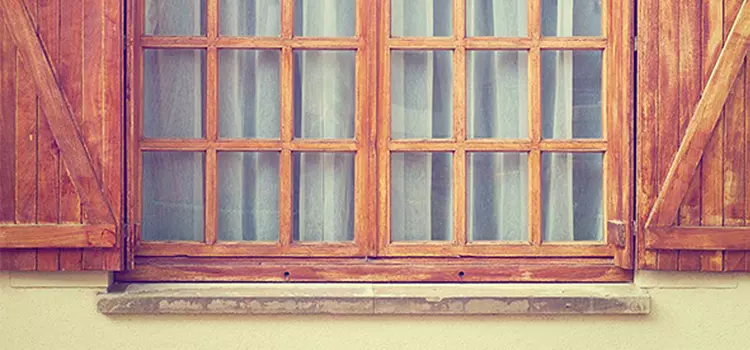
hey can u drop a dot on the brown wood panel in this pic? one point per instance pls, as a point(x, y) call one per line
point(7, 136)
point(667, 137)
point(48, 181)
point(26, 152)
point(57, 236)
point(375, 270)
point(690, 89)
point(648, 74)
point(713, 202)
point(93, 103)
point(46, 142)
point(735, 169)
point(70, 75)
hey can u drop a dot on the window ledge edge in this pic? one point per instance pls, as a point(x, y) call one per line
point(375, 299)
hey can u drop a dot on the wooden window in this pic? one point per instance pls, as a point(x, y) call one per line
point(462, 148)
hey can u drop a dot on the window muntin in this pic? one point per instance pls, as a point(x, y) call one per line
point(467, 131)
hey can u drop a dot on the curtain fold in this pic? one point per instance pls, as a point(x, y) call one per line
point(497, 183)
point(324, 105)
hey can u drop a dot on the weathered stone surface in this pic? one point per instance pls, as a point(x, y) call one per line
point(367, 299)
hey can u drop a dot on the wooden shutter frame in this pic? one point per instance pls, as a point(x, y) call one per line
point(100, 230)
point(660, 229)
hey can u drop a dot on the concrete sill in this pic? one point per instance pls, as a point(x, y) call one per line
point(376, 299)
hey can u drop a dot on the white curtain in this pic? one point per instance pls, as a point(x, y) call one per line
point(173, 108)
point(497, 107)
point(421, 100)
point(249, 107)
point(324, 105)
point(571, 92)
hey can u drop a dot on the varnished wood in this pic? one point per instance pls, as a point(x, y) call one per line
point(375, 270)
point(702, 124)
point(699, 238)
point(372, 142)
point(61, 121)
point(57, 236)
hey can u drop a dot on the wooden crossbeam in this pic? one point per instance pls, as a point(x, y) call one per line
point(57, 236)
point(60, 117)
point(702, 124)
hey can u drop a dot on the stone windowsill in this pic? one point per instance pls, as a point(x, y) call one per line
point(376, 299)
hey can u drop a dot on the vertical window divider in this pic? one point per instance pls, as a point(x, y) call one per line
point(287, 124)
point(459, 122)
point(384, 128)
point(212, 109)
point(535, 122)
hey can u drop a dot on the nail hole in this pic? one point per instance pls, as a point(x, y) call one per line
point(287, 274)
point(460, 274)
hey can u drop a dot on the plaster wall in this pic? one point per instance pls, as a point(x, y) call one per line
point(689, 311)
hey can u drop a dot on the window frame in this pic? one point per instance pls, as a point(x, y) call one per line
point(372, 257)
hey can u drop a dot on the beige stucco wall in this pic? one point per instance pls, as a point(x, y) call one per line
point(689, 311)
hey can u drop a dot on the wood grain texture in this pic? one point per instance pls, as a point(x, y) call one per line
point(57, 236)
point(691, 85)
point(68, 137)
point(702, 124)
point(372, 142)
point(48, 163)
point(384, 270)
point(646, 174)
point(56, 199)
point(711, 198)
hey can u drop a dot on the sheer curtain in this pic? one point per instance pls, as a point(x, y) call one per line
point(324, 105)
point(249, 107)
point(421, 185)
point(497, 107)
point(173, 108)
point(571, 108)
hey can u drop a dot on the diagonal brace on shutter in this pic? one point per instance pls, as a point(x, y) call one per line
point(60, 117)
point(702, 124)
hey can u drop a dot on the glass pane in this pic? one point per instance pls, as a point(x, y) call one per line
point(572, 186)
point(172, 196)
point(572, 94)
point(497, 94)
point(174, 93)
point(421, 18)
point(496, 18)
point(571, 17)
point(497, 196)
point(175, 17)
point(325, 17)
point(323, 197)
point(248, 196)
point(249, 97)
point(324, 94)
point(421, 94)
point(250, 17)
point(421, 196)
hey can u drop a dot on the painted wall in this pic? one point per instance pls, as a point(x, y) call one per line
point(690, 311)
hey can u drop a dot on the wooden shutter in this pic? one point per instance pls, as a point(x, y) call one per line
point(61, 135)
point(693, 148)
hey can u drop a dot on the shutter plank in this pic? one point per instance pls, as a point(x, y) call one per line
point(667, 138)
point(691, 86)
point(71, 80)
point(93, 102)
point(48, 182)
point(73, 150)
point(26, 152)
point(704, 120)
point(7, 137)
